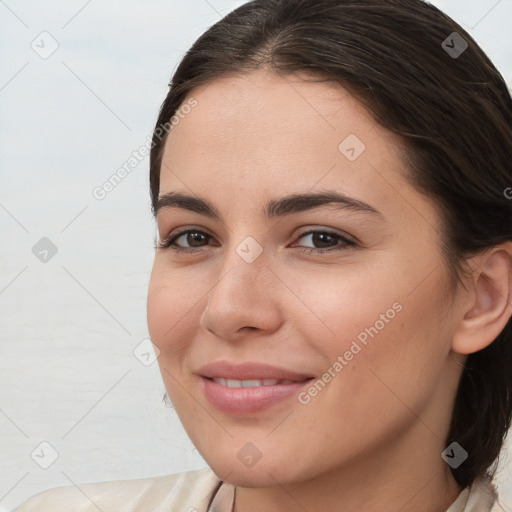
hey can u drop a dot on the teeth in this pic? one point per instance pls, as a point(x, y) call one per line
point(253, 383)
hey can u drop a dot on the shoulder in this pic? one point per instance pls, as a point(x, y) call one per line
point(188, 491)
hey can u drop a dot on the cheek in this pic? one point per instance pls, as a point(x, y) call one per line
point(334, 307)
point(379, 320)
point(403, 350)
point(169, 309)
point(381, 348)
point(170, 312)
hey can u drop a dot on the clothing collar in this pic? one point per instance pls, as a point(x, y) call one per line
point(224, 499)
point(479, 497)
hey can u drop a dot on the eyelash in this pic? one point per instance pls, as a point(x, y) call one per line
point(168, 242)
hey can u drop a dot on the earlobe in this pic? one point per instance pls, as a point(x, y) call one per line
point(490, 306)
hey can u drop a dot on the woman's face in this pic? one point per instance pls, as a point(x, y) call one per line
point(360, 332)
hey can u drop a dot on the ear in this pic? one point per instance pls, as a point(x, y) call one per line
point(487, 306)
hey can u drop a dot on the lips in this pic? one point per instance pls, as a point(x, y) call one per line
point(248, 387)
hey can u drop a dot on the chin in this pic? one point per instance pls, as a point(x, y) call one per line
point(268, 471)
point(248, 477)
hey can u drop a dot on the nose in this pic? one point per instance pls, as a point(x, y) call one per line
point(243, 299)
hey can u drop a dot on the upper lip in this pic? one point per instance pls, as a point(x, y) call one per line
point(249, 371)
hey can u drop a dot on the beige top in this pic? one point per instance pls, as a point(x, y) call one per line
point(191, 491)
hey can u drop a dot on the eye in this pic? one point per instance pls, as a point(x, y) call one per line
point(327, 240)
point(190, 236)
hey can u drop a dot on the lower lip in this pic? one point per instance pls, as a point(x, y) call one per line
point(248, 400)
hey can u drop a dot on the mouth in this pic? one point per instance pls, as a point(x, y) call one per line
point(249, 387)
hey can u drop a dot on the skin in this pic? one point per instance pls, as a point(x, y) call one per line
point(371, 439)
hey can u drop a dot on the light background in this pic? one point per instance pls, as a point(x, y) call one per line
point(68, 327)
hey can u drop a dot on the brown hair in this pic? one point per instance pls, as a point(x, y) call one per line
point(453, 113)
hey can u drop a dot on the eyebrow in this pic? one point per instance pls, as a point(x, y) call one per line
point(280, 207)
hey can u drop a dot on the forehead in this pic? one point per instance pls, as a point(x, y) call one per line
point(257, 134)
point(273, 114)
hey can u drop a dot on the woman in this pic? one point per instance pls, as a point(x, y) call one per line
point(331, 288)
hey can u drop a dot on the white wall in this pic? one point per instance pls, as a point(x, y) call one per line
point(68, 327)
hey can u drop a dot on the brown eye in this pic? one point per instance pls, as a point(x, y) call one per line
point(193, 237)
point(326, 241)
